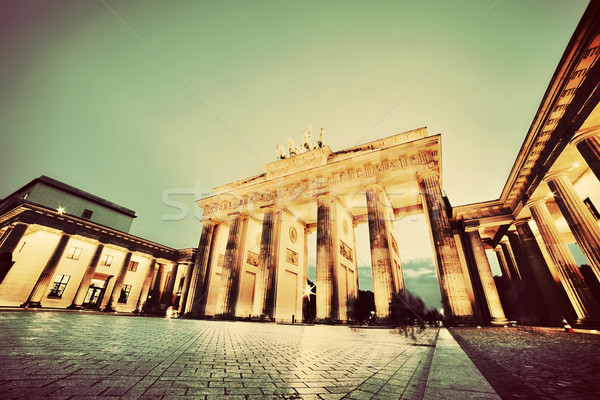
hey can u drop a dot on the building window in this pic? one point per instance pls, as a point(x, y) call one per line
point(87, 213)
point(124, 293)
point(74, 253)
point(106, 260)
point(132, 266)
point(592, 208)
point(60, 283)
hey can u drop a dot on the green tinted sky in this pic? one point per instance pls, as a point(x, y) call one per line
point(183, 96)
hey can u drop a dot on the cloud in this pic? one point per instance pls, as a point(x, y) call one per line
point(416, 273)
point(420, 279)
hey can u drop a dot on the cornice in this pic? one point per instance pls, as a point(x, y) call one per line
point(573, 92)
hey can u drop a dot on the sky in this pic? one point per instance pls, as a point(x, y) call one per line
point(151, 104)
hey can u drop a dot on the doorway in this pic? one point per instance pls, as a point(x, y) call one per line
point(94, 294)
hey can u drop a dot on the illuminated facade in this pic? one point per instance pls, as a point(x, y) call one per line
point(552, 195)
point(252, 253)
point(252, 259)
point(61, 247)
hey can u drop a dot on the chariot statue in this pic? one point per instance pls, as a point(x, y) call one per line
point(307, 145)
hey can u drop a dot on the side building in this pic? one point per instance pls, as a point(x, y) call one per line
point(549, 204)
point(61, 247)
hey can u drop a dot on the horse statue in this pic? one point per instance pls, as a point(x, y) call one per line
point(307, 134)
point(293, 151)
point(282, 153)
point(321, 141)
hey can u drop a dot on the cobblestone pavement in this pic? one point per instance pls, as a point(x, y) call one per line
point(66, 355)
point(535, 363)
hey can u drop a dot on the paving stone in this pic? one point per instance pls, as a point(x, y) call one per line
point(205, 390)
point(359, 395)
point(161, 391)
point(244, 390)
point(110, 356)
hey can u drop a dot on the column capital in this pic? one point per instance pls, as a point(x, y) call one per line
point(424, 174)
point(535, 201)
point(497, 249)
point(373, 186)
point(237, 215)
point(551, 176)
point(504, 241)
point(322, 195)
point(471, 226)
point(521, 221)
point(209, 221)
point(585, 133)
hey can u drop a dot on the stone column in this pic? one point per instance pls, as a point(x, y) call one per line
point(486, 278)
point(548, 289)
point(145, 287)
point(180, 290)
point(381, 259)
point(103, 293)
point(587, 142)
point(584, 304)
point(153, 300)
point(325, 275)
point(511, 262)
point(167, 297)
point(305, 288)
point(189, 269)
point(231, 266)
point(264, 298)
point(41, 286)
point(200, 276)
point(77, 303)
point(118, 283)
point(9, 244)
point(502, 263)
point(455, 297)
point(582, 223)
point(530, 300)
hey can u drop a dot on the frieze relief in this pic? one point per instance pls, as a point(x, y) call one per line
point(291, 256)
point(346, 251)
point(252, 258)
point(289, 190)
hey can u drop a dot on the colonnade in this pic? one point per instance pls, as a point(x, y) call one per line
point(161, 295)
point(552, 289)
point(331, 294)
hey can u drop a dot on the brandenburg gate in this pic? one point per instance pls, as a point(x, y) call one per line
point(252, 256)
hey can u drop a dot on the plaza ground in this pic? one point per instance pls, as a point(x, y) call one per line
point(535, 363)
point(79, 355)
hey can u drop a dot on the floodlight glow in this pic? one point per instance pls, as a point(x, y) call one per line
point(308, 291)
point(60, 210)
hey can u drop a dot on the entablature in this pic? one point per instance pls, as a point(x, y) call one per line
point(297, 183)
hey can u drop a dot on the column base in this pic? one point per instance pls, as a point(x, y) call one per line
point(225, 316)
point(468, 320)
point(31, 304)
point(588, 322)
point(75, 307)
point(499, 321)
